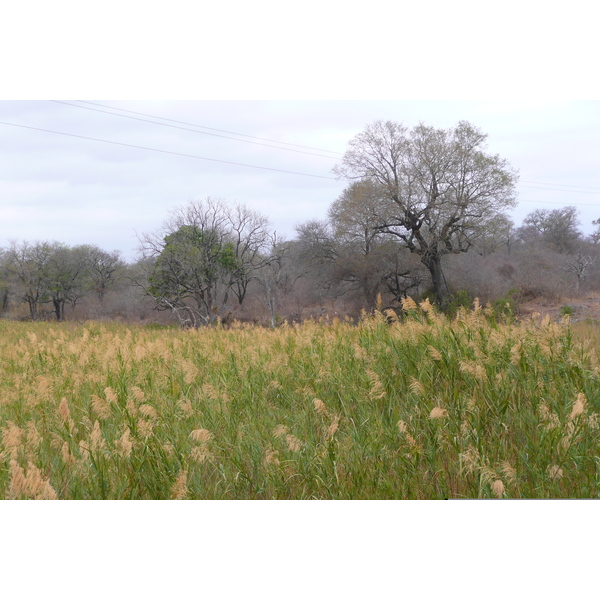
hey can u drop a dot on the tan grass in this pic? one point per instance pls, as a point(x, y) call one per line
point(438, 413)
point(180, 489)
point(202, 436)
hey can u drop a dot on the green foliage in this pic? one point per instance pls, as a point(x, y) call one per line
point(507, 306)
point(566, 310)
point(191, 261)
point(460, 299)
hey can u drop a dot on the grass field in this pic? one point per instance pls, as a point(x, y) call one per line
point(419, 408)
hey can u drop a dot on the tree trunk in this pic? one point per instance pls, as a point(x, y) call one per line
point(440, 287)
point(59, 309)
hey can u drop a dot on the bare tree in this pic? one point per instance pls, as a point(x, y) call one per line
point(595, 236)
point(367, 258)
point(4, 281)
point(27, 266)
point(204, 251)
point(251, 239)
point(103, 269)
point(558, 229)
point(441, 187)
point(499, 233)
point(579, 265)
point(66, 277)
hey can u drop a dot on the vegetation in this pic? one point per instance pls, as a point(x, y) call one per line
point(416, 407)
point(423, 215)
point(160, 379)
point(438, 189)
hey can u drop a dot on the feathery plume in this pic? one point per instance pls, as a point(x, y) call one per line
point(377, 390)
point(271, 457)
point(180, 489)
point(280, 431)
point(578, 406)
point(124, 444)
point(509, 471)
point(63, 411)
point(96, 439)
point(320, 407)
point(416, 387)
point(434, 353)
point(203, 436)
point(497, 488)
point(294, 444)
point(333, 427)
point(11, 439)
point(111, 395)
point(138, 394)
point(554, 472)
point(101, 407)
point(438, 413)
point(148, 411)
point(408, 304)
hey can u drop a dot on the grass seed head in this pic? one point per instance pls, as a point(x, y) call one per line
point(409, 304)
point(271, 457)
point(111, 395)
point(497, 488)
point(438, 413)
point(416, 387)
point(294, 444)
point(332, 428)
point(554, 472)
point(12, 436)
point(579, 406)
point(202, 436)
point(280, 431)
point(180, 489)
point(101, 407)
point(509, 471)
point(63, 411)
point(124, 444)
point(320, 407)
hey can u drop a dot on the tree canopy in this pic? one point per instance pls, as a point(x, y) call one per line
point(441, 187)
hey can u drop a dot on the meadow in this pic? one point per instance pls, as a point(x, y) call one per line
point(418, 407)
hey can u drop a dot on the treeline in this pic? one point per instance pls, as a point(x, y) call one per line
point(424, 215)
point(213, 261)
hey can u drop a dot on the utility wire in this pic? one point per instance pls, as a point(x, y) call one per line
point(271, 168)
point(547, 189)
point(204, 127)
point(581, 191)
point(562, 203)
point(83, 137)
point(585, 187)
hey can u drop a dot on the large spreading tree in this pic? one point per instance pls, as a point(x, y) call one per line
point(441, 187)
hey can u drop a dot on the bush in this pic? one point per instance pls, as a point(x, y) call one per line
point(566, 310)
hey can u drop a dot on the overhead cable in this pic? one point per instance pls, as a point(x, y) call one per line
point(205, 127)
point(83, 137)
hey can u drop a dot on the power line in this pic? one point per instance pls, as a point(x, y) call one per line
point(164, 151)
point(271, 168)
point(533, 187)
point(586, 187)
point(205, 127)
point(580, 191)
point(562, 203)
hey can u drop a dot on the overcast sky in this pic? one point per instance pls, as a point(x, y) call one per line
point(82, 190)
point(271, 81)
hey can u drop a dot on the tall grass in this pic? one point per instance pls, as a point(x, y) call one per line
point(425, 407)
